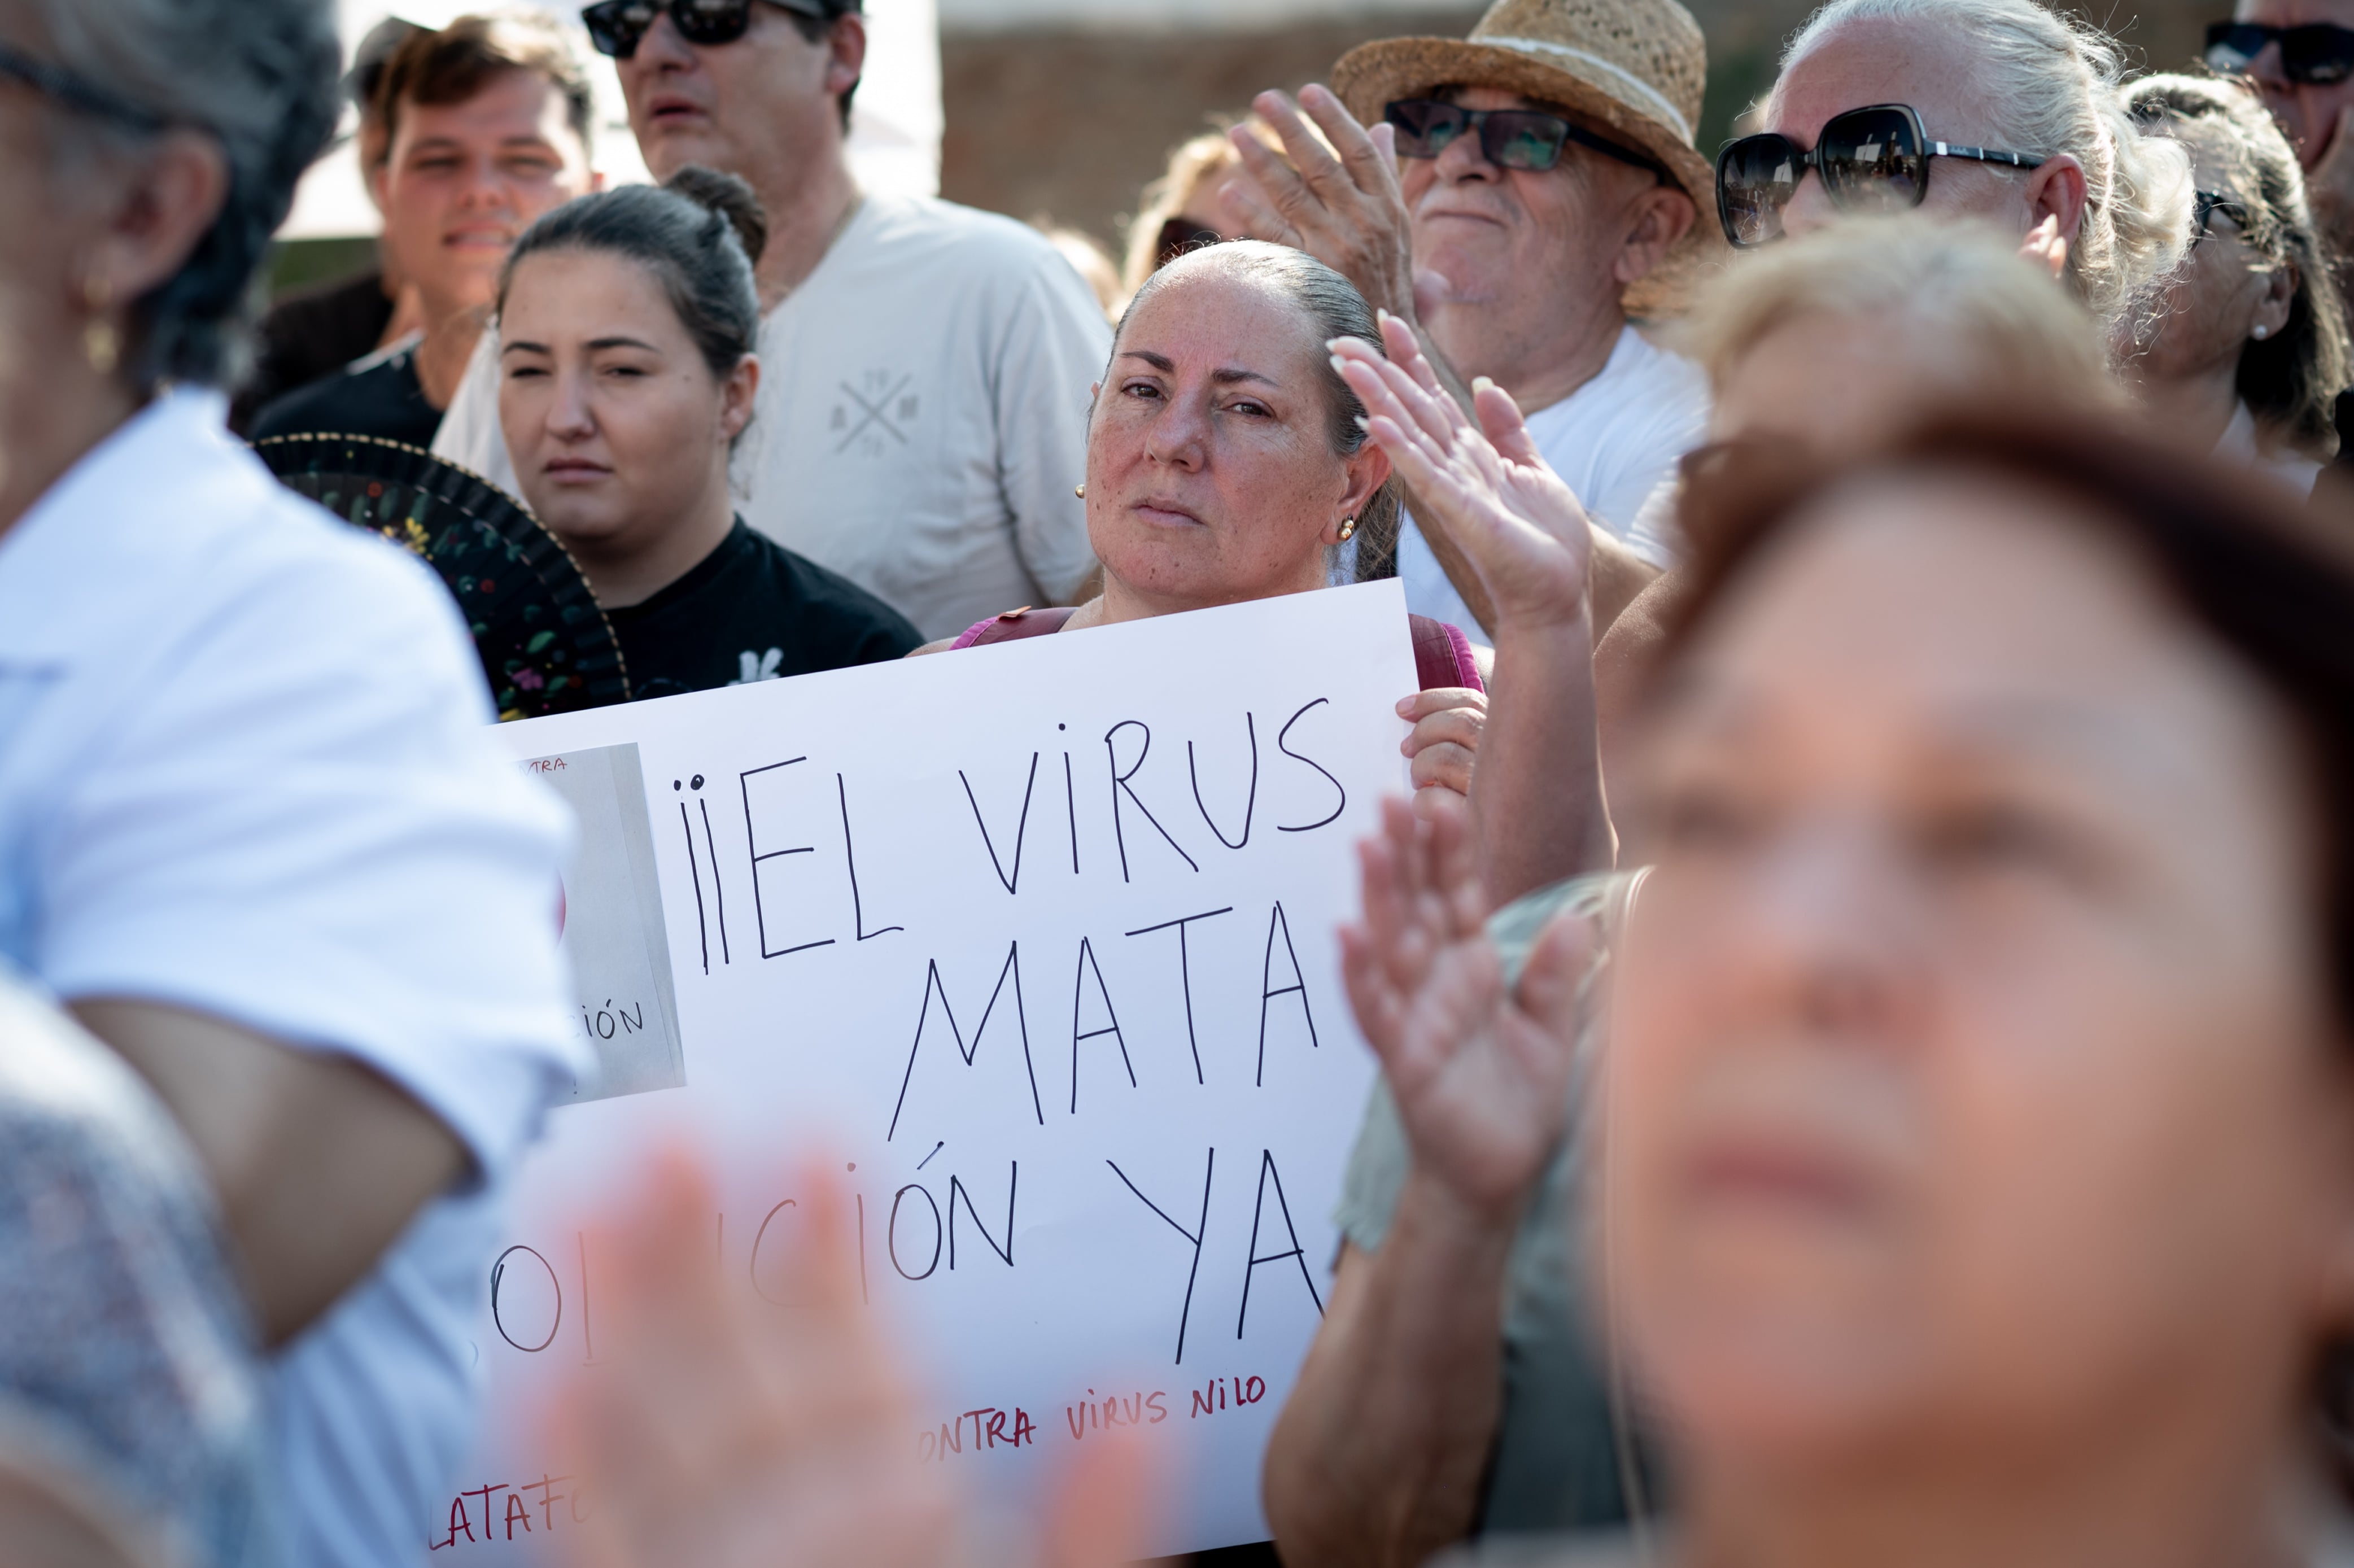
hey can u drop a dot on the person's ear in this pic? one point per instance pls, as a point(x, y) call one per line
point(1368, 470)
point(2273, 304)
point(848, 42)
point(155, 215)
point(738, 395)
point(1659, 217)
point(2056, 190)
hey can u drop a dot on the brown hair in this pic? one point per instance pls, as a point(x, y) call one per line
point(2268, 582)
point(452, 64)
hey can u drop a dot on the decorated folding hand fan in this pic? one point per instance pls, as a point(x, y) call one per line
point(545, 645)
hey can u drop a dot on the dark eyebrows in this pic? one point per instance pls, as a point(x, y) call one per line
point(1227, 377)
point(595, 343)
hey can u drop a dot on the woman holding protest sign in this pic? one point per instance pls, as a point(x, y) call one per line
point(1226, 462)
point(626, 326)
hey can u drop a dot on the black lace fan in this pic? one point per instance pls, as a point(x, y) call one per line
point(545, 645)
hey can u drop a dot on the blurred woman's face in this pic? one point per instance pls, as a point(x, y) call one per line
point(1974, 1088)
point(1211, 474)
point(2208, 307)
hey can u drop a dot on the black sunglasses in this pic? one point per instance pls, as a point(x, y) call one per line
point(616, 25)
point(1872, 160)
point(1510, 138)
point(2316, 54)
point(66, 87)
point(1178, 236)
point(2205, 205)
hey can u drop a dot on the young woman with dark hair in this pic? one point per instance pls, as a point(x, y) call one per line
point(626, 326)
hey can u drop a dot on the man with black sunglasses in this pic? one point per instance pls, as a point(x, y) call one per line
point(925, 367)
point(1544, 188)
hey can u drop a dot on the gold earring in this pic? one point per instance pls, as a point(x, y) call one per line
point(1080, 490)
point(98, 341)
point(1347, 529)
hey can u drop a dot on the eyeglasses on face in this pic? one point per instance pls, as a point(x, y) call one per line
point(62, 86)
point(2206, 205)
point(1874, 159)
point(616, 25)
point(2315, 55)
point(1526, 139)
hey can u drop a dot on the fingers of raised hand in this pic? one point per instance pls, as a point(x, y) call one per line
point(1318, 169)
point(1500, 421)
point(1454, 878)
point(1552, 987)
point(1273, 182)
point(1445, 718)
point(1358, 161)
point(1440, 770)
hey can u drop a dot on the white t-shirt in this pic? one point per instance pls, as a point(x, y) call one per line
point(921, 419)
point(1613, 441)
point(245, 769)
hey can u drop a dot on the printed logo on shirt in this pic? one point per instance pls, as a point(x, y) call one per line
point(874, 415)
point(757, 666)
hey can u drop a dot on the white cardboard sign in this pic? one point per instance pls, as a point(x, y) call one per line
point(1038, 939)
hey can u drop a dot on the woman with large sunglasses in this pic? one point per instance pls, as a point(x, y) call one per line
point(2245, 348)
point(1998, 110)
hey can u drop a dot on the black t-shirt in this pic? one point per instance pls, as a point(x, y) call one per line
point(309, 333)
point(753, 610)
point(379, 395)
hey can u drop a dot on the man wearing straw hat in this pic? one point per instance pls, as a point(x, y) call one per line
point(1544, 188)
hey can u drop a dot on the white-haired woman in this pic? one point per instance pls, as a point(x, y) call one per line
point(2245, 349)
point(251, 828)
point(1996, 109)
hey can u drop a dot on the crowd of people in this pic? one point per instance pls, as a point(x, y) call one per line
point(1863, 983)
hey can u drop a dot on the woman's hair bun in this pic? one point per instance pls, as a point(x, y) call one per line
point(731, 198)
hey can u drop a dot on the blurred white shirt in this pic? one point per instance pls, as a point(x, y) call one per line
point(245, 769)
point(921, 419)
point(1613, 441)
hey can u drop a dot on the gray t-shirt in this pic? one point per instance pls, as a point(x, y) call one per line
point(1556, 1460)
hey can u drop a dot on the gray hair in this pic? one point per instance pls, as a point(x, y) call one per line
point(259, 76)
point(2292, 381)
point(2051, 82)
point(1332, 307)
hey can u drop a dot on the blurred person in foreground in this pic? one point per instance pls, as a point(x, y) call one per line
point(921, 423)
point(629, 376)
point(1834, 342)
point(2246, 345)
point(1548, 191)
point(252, 830)
point(322, 328)
point(130, 1379)
point(1225, 463)
point(1995, 110)
point(1970, 1163)
point(487, 125)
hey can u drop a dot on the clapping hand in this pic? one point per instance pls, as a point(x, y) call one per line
point(1347, 211)
point(729, 1431)
point(1480, 1075)
point(1485, 483)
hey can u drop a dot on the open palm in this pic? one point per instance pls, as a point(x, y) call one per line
point(1485, 482)
point(1480, 1075)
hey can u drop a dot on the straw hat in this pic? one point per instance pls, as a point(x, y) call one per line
point(1634, 68)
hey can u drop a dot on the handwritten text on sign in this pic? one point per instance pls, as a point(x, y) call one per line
point(1039, 938)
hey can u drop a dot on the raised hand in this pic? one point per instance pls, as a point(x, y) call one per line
point(732, 1431)
point(1336, 196)
point(1480, 1075)
point(1485, 483)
